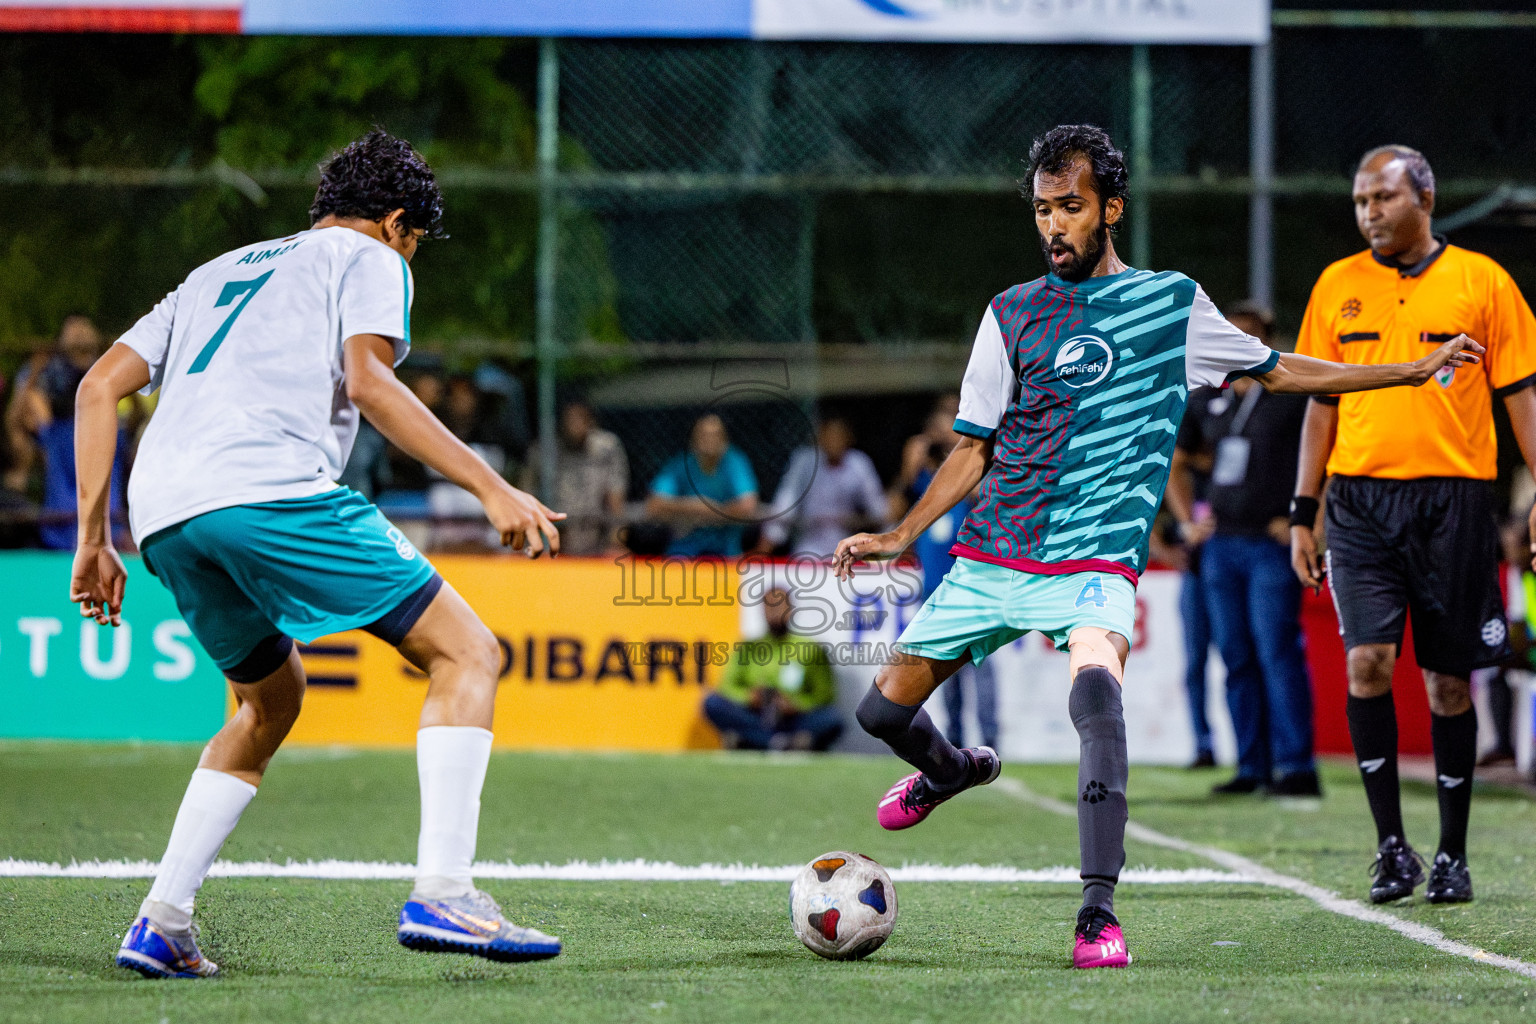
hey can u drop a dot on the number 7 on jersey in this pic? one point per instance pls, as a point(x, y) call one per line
point(228, 295)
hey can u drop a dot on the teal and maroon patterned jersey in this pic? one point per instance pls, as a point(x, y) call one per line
point(1080, 388)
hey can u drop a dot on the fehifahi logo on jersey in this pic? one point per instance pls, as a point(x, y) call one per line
point(1084, 360)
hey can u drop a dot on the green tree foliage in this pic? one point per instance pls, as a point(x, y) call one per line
point(274, 107)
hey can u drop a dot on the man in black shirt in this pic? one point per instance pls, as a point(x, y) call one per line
point(1252, 437)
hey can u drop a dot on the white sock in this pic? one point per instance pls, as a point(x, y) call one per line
point(451, 762)
point(209, 812)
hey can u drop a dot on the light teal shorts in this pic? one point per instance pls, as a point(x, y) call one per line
point(980, 607)
point(301, 567)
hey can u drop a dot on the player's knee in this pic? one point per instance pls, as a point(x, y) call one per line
point(270, 685)
point(1090, 646)
point(1448, 695)
point(482, 654)
point(1370, 669)
point(882, 717)
point(1095, 694)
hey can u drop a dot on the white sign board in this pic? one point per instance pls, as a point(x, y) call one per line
point(1230, 22)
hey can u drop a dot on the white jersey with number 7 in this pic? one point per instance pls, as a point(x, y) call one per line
point(247, 357)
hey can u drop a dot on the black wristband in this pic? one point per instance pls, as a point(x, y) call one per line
point(1304, 511)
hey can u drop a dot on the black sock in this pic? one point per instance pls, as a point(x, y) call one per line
point(1373, 731)
point(909, 732)
point(1102, 771)
point(1455, 742)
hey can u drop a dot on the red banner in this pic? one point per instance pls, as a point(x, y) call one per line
point(218, 20)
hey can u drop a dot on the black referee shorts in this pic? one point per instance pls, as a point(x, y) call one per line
point(1428, 546)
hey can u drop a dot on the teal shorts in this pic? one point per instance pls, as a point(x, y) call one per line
point(980, 607)
point(301, 567)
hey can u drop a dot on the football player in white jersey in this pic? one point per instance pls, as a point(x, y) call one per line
point(264, 358)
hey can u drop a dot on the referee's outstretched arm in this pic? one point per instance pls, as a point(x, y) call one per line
point(1304, 375)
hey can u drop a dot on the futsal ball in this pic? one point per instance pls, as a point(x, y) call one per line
point(843, 906)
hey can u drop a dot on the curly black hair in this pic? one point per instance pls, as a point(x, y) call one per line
point(375, 176)
point(1054, 152)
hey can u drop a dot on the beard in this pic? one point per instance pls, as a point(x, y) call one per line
point(1080, 264)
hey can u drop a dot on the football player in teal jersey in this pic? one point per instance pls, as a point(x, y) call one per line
point(1068, 410)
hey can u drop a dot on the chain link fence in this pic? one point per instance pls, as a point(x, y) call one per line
point(810, 203)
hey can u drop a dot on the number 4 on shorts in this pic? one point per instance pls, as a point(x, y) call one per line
point(1092, 593)
point(231, 291)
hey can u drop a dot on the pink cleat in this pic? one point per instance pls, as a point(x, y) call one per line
point(1100, 942)
point(912, 799)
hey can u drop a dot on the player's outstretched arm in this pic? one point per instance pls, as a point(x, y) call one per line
point(1304, 375)
point(958, 476)
point(98, 578)
point(520, 518)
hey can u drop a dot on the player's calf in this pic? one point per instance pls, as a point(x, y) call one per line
point(911, 734)
point(1102, 772)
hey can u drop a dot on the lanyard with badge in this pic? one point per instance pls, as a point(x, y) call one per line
point(1233, 450)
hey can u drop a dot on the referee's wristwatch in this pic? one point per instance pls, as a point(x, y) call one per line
point(1304, 511)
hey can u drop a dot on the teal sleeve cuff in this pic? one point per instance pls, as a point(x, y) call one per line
point(1256, 371)
point(975, 430)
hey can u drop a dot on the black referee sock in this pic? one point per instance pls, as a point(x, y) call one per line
point(1455, 742)
point(908, 731)
point(1373, 731)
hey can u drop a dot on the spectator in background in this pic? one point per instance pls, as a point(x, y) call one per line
point(1519, 606)
point(18, 513)
point(777, 693)
point(917, 453)
point(367, 470)
point(826, 493)
point(21, 454)
point(921, 457)
point(932, 551)
point(427, 383)
point(1189, 482)
point(47, 414)
point(705, 494)
point(1253, 596)
point(504, 407)
point(591, 481)
point(459, 521)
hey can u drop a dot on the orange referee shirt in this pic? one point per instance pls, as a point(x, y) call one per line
point(1368, 312)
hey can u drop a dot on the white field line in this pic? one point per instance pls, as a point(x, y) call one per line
point(601, 871)
point(1254, 871)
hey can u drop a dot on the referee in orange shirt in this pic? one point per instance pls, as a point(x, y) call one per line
point(1410, 516)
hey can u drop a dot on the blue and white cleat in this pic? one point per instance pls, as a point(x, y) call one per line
point(157, 953)
point(471, 924)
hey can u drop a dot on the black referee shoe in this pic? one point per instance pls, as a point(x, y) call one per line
point(1397, 870)
point(1449, 880)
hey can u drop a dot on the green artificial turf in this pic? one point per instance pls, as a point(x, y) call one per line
point(710, 952)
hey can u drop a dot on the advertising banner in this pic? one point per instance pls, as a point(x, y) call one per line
point(1018, 21)
point(595, 656)
point(64, 677)
point(604, 655)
